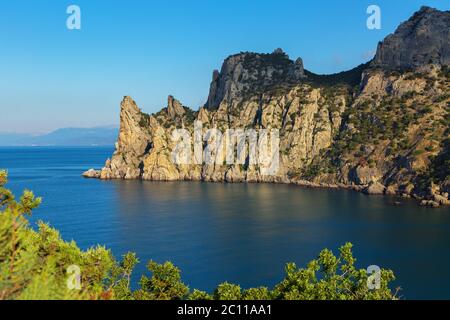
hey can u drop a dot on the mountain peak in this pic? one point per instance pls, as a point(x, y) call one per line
point(174, 107)
point(128, 104)
point(254, 72)
point(423, 39)
point(426, 8)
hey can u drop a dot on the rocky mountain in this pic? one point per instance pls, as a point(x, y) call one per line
point(250, 73)
point(377, 128)
point(423, 39)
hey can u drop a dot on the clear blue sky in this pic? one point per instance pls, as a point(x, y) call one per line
point(51, 77)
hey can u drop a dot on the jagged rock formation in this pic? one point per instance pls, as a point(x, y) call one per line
point(423, 39)
point(252, 73)
point(174, 108)
point(132, 145)
point(390, 135)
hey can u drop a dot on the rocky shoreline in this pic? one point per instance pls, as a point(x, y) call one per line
point(436, 201)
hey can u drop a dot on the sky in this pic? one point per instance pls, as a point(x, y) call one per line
point(52, 77)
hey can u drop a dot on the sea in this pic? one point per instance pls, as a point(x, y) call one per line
point(240, 233)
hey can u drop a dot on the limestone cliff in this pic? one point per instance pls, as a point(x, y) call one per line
point(389, 134)
point(250, 73)
point(132, 145)
point(423, 39)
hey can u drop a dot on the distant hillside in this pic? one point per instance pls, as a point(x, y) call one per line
point(99, 136)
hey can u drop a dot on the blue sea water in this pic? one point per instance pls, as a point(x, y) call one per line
point(241, 233)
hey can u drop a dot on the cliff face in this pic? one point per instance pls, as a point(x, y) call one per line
point(389, 136)
point(250, 73)
point(423, 39)
point(132, 145)
point(308, 120)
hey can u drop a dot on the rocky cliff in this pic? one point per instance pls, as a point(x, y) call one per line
point(423, 39)
point(389, 134)
point(250, 73)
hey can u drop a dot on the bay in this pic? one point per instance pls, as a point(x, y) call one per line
point(241, 233)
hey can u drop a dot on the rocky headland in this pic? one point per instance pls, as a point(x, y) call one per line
point(381, 128)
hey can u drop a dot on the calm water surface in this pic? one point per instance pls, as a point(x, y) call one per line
point(232, 232)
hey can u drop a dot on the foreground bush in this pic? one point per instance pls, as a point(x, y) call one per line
point(35, 264)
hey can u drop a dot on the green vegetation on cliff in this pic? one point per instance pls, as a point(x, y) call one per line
point(35, 264)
